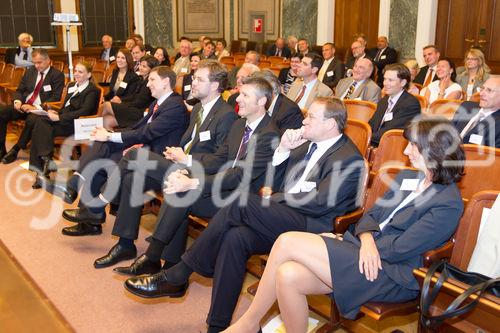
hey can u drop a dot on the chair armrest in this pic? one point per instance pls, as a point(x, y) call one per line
point(54, 105)
point(443, 252)
point(343, 222)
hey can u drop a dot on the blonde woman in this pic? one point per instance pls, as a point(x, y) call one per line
point(412, 65)
point(476, 72)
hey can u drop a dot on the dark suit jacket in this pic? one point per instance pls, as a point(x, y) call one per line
point(468, 110)
point(285, 52)
point(112, 53)
point(131, 79)
point(406, 108)
point(141, 98)
point(10, 55)
point(54, 78)
point(420, 78)
point(286, 114)
point(260, 150)
point(218, 122)
point(232, 100)
point(168, 124)
point(336, 175)
point(350, 62)
point(389, 56)
point(334, 72)
point(84, 103)
point(283, 74)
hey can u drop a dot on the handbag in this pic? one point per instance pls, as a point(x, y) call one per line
point(478, 284)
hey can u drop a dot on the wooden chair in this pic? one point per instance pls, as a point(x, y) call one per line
point(90, 60)
point(360, 133)
point(360, 110)
point(423, 102)
point(418, 85)
point(275, 60)
point(109, 72)
point(444, 108)
point(486, 315)
point(7, 73)
point(390, 151)
point(7, 89)
point(475, 97)
point(264, 64)
point(276, 71)
point(77, 59)
point(100, 65)
point(228, 59)
point(59, 65)
point(98, 76)
point(2, 67)
point(239, 57)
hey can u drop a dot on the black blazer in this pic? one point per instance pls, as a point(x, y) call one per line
point(389, 56)
point(350, 62)
point(112, 53)
point(420, 78)
point(131, 79)
point(141, 98)
point(286, 114)
point(84, 103)
point(334, 72)
point(218, 122)
point(337, 175)
point(407, 107)
point(285, 52)
point(168, 124)
point(468, 110)
point(10, 55)
point(54, 79)
point(187, 80)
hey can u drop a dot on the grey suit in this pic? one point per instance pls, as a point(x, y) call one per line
point(367, 91)
point(319, 90)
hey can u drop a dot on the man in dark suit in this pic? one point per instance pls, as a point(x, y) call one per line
point(358, 52)
point(279, 49)
point(138, 52)
point(480, 123)
point(333, 69)
point(427, 74)
point(163, 126)
point(108, 52)
point(22, 55)
point(398, 107)
point(323, 168)
point(40, 84)
point(383, 55)
point(247, 151)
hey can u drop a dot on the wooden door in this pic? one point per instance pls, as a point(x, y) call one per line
point(465, 23)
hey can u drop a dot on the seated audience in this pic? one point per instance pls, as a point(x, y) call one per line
point(333, 69)
point(479, 123)
point(279, 49)
point(303, 46)
point(288, 75)
point(398, 107)
point(140, 41)
point(187, 80)
point(208, 51)
point(161, 54)
point(40, 84)
point(126, 111)
point(445, 87)
point(412, 65)
point(82, 99)
point(129, 44)
point(358, 52)
point(183, 63)
point(427, 74)
point(304, 91)
point(374, 260)
point(359, 86)
point(108, 52)
point(138, 51)
point(124, 80)
point(245, 71)
point(475, 74)
point(220, 49)
point(22, 55)
point(383, 55)
point(251, 57)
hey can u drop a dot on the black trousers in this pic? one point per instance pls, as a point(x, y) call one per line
point(8, 113)
point(233, 235)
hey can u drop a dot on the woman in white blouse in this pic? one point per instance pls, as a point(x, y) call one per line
point(445, 87)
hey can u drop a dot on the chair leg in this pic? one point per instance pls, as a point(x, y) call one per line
point(335, 320)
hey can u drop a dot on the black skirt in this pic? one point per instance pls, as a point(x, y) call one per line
point(125, 115)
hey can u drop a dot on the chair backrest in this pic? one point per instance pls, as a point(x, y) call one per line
point(239, 57)
point(7, 73)
point(474, 97)
point(90, 60)
point(360, 110)
point(443, 107)
point(275, 59)
point(98, 76)
point(101, 96)
point(17, 76)
point(381, 182)
point(264, 64)
point(59, 65)
point(468, 228)
point(109, 72)
point(227, 59)
point(2, 67)
point(100, 65)
point(418, 85)
point(423, 102)
point(360, 133)
point(276, 71)
point(178, 84)
point(390, 150)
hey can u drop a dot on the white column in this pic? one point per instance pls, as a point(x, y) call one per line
point(384, 17)
point(324, 33)
point(139, 18)
point(70, 8)
point(426, 27)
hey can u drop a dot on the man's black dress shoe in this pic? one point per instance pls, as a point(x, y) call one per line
point(39, 182)
point(3, 152)
point(46, 169)
point(83, 215)
point(10, 157)
point(64, 192)
point(82, 229)
point(115, 255)
point(70, 214)
point(141, 265)
point(113, 209)
point(155, 285)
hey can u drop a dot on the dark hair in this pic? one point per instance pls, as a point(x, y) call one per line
point(40, 52)
point(441, 146)
point(150, 60)
point(195, 54)
point(334, 108)
point(316, 60)
point(216, 72)
point(223, 41)
point(431, 47)
point(453, 75)
point(165, 72)
point(210, 43)
point(163, 50)
point(128, 57)
point(140, 46)
point(185, 38)
point(402, 71)
point(329, 44)
point(263, 88)
point(297, 55)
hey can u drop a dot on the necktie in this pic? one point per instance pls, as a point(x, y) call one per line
point(390, 105)
point(473, 122)
point(237, 108)
point(351, 89)
point(303, 164)
point(278, 52)
point(36, 92)
point(428, 79)
point(199, 118)
point(377, 58)
point(136, 67)
point(244, 143)
point(301, 94)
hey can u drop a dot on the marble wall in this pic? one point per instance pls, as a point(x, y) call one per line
point(158, 22)
point(403, 27)
point(300, 18)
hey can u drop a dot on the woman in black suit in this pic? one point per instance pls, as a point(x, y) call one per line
point(187, 80)
point(130, 109)
point(123, 79)
point(82, 99)
point(375, 260)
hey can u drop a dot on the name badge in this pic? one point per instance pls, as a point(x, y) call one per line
point(187, 87)
point(71, 89)
point(123, 85)
point(307, 186)
point(383, 57)
point(329, 74)
point(388, 116)
point(204, 136)
point(409, 185)
point(184, 70)
point(47, 88)
point(145, 113)
point(112, 58)
point(476, 139)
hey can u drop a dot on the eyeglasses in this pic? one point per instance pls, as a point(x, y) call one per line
point(487, 90)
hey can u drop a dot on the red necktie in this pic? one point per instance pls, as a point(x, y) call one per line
point(301, 94)
point(155, 108)
point(237, 108)
point(429, 78)
point(36, 91)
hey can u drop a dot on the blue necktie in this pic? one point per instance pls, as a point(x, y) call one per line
point(244, 143)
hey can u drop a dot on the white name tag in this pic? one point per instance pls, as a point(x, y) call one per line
point(476, 139)
point(47, 88)
point(330, 73)
point(123, 85)
point(112, 58)
point(71, 89)
point(409, 185)
point(204, 136)
point(307, 186)
point(184, 70)
point(388, 116)
point(187, 87)
point(85, 126)
point(145, 113)
point(383, 57)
